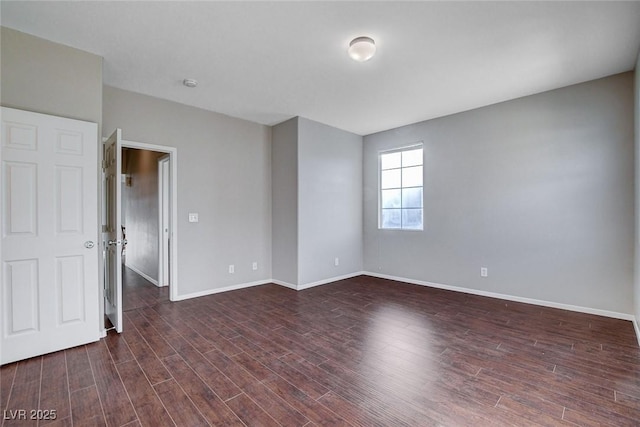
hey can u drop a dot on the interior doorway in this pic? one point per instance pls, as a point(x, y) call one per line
point(145, 200)
point(120, 239)
point(162, 162)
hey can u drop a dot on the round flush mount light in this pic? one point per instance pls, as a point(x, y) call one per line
point(362, 49)
point(190, 82)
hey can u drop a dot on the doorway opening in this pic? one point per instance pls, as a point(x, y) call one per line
point(140, 231)
point(145, 216)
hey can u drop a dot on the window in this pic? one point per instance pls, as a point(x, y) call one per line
point(401, 189)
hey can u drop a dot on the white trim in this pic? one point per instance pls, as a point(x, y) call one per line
point(285, 284)
point(636, 327)
point(219, 290)
point(318, 283)
point(588, 310)
point(329, 280)
point(146, 276)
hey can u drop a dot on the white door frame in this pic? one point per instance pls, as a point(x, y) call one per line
point(164, 218)
point(173, 207)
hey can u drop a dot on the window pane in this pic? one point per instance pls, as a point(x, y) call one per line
point(412, 177)
point(391, 199)
point(390, 178)
point(390, 160)
point(411, 197)
point(391, 218)
point(412, 157)
point(412, 219)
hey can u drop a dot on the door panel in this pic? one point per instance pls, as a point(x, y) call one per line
point(69, 206)
point(20, 184)
point(21, 280)
point(113, 259)
point(70, 289)
point(50, 283)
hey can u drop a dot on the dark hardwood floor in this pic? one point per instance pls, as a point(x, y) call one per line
point(360, 352)
point(138, 292)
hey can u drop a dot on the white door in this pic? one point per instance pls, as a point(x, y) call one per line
point(49, 204)
point(163, 193)
point(113, 237)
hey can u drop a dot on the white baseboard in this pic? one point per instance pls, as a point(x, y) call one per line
point(225, 289)
point(329, 280)
point(318, 283)
point(637, 328)
point(285, 284)
point(146, 276)
point(588, 310)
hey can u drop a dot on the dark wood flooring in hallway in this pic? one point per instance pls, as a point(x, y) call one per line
point(359, 352)
point(138, 292)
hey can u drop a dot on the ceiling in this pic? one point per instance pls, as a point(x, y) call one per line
point(269, 61)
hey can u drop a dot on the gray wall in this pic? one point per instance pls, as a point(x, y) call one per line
point(45, 77)
point(330, 202)
point(224, 174)
point(140, 210)
point(284, 176)
point(539, 190)
point(317, 202)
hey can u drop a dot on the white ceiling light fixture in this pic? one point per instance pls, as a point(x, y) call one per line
point(362, 49)
point(190, 82)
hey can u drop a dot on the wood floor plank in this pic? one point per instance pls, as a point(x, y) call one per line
point(255, 368)
point(78, 368)
point(64, 422)
point(529, 413)
point(205, 399)
point(85, 405)
point(119, 349)
point(54, 387)
point(149, 362)
point(178, 404)
point(28, 371)
point(311, 409)
point(7, 375)
point(24, 399)
point(279, 409)
point(151, 335)
point(118, 408)
point(216, 380)
point(232, 369)
point(249, 412)
point(148, 407)
point(307, 385)
point(364, 416)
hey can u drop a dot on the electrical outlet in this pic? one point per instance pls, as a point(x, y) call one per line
point(484, 272)
point(193, 217)
point(254, 266)
point(336, 262)
point(232, 268)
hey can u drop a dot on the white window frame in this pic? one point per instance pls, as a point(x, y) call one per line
point(415, 146)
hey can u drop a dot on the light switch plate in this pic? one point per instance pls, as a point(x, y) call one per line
point(193, 217)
